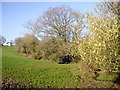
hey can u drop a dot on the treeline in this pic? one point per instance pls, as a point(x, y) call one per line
point(57, 36)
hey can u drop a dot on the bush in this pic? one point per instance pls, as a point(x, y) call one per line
point(30, 45)
point(101, 49)
point(68, 53)
point(56, 50)
point(49, 47)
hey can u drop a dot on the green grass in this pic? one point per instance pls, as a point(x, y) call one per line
point(42, 73)
point(109, 77)
point(37, 72)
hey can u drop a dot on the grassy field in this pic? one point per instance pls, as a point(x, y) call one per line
point(28, 72)
point(37, 72)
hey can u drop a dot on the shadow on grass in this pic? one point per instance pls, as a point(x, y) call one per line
point(117, 81)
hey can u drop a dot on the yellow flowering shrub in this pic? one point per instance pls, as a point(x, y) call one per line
point(101, 49)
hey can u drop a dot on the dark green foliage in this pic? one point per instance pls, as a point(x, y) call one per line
point(68, 53)
point(50, 46)
point(56, 50)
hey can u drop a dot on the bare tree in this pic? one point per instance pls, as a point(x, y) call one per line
point(61, 22)
point(2, 40)
point(31, 27)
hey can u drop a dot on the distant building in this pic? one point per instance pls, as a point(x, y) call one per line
point(7, 44)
